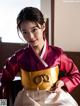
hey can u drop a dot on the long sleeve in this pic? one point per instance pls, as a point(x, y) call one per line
point(10, 69)
point(72, 75)
point(68, 73)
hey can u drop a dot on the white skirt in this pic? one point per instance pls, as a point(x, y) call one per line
point(44, 98)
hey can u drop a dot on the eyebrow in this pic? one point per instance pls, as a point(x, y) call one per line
point(34, 27)
point(31, 28)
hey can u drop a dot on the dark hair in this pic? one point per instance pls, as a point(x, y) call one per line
point(30, 14)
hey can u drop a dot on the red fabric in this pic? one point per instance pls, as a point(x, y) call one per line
point(27, 59)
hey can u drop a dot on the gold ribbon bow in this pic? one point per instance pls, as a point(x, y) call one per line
point(42, 79)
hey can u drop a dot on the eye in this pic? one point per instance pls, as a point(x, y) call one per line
point(34, 30)
point(24, 33)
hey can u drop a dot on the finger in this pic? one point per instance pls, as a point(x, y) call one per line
point(57, 90)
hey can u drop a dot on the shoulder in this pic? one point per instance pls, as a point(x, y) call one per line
point(18, 54)
point(56, 50)
point(60, 52)
point(22, 50)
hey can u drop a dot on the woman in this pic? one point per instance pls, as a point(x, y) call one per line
point(41, 60)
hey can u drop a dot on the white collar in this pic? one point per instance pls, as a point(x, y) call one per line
point(43, 51)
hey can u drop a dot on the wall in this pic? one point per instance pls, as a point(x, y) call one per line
point(67, 24)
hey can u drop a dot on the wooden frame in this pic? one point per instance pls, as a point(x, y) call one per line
point(52, 21)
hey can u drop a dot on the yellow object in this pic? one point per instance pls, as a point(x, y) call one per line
point(43, 79)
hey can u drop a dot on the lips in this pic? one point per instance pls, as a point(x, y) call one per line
point(32, 41)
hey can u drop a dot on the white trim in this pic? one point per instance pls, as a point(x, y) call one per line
point(44, 49)
point(42, 54)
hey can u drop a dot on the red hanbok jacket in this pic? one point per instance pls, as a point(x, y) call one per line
point(28, 60)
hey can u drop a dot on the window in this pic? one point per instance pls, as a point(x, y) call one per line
point(9, 10)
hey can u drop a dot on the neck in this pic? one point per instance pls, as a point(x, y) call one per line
point(38, 49)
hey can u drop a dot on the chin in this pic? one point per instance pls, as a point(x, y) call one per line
point(34, 44)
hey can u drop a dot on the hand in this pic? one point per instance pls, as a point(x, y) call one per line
point(59, 85)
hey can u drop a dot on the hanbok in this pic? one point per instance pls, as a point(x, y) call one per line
point(27, 61)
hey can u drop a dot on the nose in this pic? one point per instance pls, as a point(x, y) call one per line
point(31, 35)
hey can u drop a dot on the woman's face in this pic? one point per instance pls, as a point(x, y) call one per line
point(32, 32)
